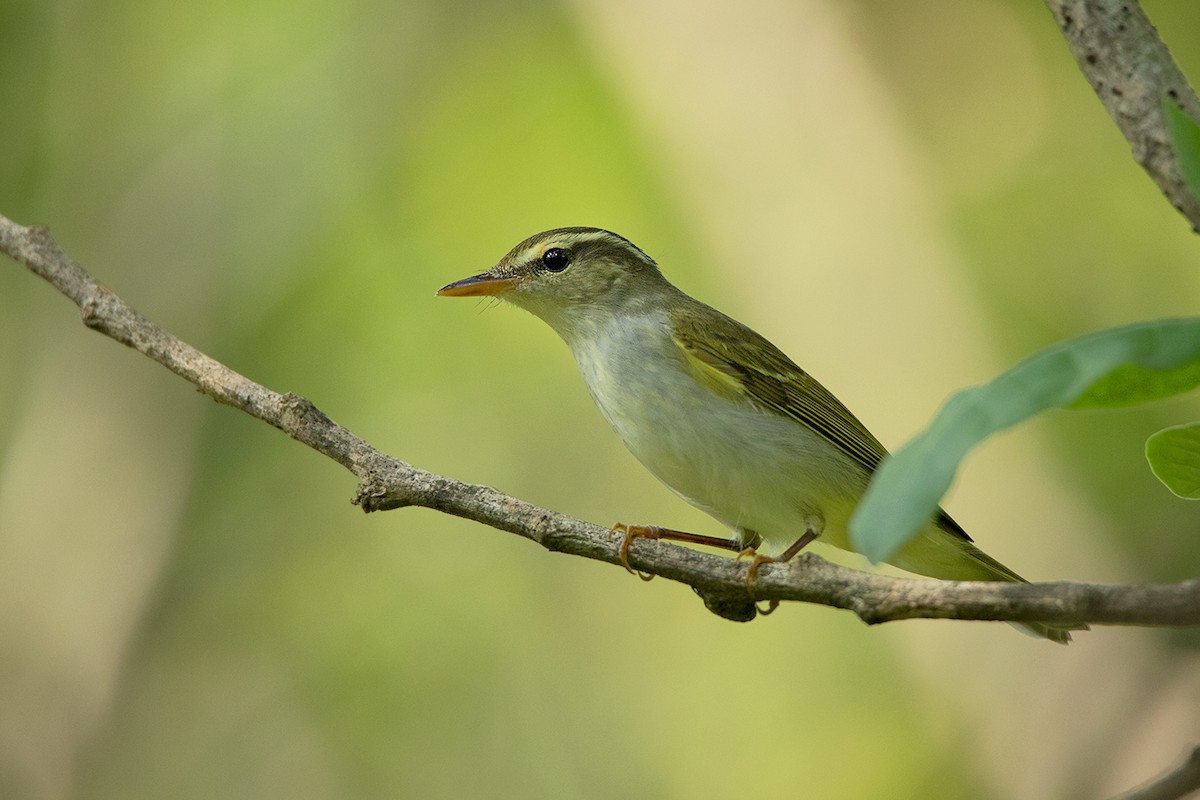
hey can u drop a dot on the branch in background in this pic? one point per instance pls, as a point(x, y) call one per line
point(1132, 71)
point(388, 483)
point(1178, 783)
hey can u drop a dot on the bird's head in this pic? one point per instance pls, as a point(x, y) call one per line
point(568, 277)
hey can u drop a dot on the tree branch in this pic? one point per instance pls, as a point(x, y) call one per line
point(1178, 783)
point(389, 483)
point(1131, 71)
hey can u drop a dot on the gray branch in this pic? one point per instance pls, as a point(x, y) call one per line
point(1178, 783)
point(1132, 72)
point(389, 483)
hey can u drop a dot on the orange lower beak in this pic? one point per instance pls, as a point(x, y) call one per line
point(478, 285)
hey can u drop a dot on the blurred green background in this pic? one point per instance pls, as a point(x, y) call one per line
point(906, 197)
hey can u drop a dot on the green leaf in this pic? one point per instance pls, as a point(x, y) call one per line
point(906, 489)
point(1174, 456)
point(1185, 138)
point(1130, 384)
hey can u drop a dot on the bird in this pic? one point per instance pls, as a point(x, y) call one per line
point(714, 410)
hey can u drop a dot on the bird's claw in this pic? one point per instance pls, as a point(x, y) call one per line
point(752, 576)
point(634, 532)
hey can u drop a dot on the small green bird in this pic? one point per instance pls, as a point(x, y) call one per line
point(715, 411)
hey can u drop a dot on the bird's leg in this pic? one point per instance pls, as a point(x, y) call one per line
point(654, 532)
point(811, 532)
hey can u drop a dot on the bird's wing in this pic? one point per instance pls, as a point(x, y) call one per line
point(731, 358)
point(727, 355)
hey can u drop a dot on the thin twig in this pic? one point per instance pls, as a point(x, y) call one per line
point(1180, 782)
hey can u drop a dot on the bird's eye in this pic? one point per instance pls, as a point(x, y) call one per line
point(556, 259)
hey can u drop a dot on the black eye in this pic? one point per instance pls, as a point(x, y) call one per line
point(556, 259)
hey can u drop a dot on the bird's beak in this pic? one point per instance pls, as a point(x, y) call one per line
point(485, 283)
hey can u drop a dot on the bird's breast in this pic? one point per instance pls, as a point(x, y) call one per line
point(751, 468)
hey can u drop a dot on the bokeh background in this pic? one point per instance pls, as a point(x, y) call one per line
point(906, 197)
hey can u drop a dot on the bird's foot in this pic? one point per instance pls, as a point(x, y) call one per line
point(635, 532)
point(654, 532)
point(757, 560)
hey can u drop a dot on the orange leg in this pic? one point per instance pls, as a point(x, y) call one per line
point(654, 532)
point(787, 555)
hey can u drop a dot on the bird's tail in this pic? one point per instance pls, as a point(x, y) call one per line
point(942, 550)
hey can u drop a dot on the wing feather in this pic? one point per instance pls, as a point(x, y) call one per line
point(772, 380)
